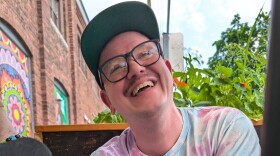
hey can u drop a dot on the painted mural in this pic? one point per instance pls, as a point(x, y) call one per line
point(15, 86)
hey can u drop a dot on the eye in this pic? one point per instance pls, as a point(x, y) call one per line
point(118, 68)
point(145, 54)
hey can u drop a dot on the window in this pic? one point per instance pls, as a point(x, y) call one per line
point(61, 104)
point(55, 12)
point(57, 15)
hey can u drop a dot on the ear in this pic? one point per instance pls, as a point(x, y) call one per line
point(106, 100)
point(168, 64)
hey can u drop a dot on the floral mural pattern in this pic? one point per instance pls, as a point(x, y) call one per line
point(15, 86)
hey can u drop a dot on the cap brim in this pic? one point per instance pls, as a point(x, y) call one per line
point(122, 17)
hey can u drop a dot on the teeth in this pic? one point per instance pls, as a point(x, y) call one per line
point(145, 84)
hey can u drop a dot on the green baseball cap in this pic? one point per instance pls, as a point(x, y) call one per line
point(122, 17)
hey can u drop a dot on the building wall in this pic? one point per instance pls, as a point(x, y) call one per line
point(54, 58)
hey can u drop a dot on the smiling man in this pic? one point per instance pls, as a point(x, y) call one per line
point(121, 48)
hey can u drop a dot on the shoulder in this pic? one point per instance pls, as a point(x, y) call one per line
point(228, 130)
point(220, 122)
point(116, 146)
point(219, 118)
point(210, 109)
point(213, 113)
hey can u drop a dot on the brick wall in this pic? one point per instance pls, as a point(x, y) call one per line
point(53, 57)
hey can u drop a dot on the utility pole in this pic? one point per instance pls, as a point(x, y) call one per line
point(166, 35)
point(149, 3)
point(168, 16)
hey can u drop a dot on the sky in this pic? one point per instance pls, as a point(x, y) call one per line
point(200, 21)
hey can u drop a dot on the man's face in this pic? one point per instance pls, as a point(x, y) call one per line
point(145, 90)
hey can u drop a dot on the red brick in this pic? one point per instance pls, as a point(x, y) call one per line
point(52, 59)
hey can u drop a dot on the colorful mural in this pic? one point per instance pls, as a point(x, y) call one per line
point(15, 86)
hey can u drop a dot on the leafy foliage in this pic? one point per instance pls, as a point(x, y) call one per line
point(220, 87)
point(235, 76)
point(106, 117)
point(255, 38)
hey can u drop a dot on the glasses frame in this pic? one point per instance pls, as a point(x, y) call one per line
point(126, 56)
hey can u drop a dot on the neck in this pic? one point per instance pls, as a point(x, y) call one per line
point(160, 130)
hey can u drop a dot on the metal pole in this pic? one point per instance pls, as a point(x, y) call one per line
point(149, 3)
point(270, 136)
point(168, 16)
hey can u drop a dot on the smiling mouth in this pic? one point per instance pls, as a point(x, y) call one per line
point(142, 87)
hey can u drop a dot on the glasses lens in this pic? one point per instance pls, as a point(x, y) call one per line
point(115, 69)
point(146, 54)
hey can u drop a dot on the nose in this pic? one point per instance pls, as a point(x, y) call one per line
point(134, 68)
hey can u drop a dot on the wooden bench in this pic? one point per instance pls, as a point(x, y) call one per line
point(77, 139)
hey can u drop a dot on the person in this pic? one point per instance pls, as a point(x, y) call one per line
point(25, 146)
point(121, 48)
point(12, 143)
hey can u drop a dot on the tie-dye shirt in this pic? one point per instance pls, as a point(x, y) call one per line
point(207, 131)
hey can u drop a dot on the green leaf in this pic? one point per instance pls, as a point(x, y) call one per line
point(195, 90)
point(226, 72)
point(248, 108)
point(180, 102)
point(203, 103)
point(106, 117)
point(220, 81)
point(238, 86)
point(177, 95)
point(259, 98)
point(240, 65)
point(178, 74)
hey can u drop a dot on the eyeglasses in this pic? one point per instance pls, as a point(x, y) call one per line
point(145, 54)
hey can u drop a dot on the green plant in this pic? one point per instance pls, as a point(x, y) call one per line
point(220, 87)
point(236, 78)
point(106, 117)
point(241, 33)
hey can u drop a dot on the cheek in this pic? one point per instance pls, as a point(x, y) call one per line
point(166, 70)
point(114, 91)
point(167, 78)
point(119, 102)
